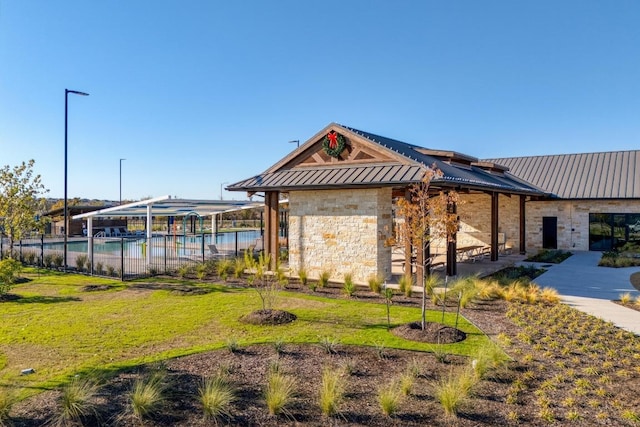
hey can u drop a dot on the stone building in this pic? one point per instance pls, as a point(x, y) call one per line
point(342, 183)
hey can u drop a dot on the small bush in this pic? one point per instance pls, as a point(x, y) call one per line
point(9, 272)
point(58, 260)
point(100, 268)
point(216, 396)
point(30, 258)
point(47, 260)
point(111, 271)
point(625, 298)
point(238, 267)
point(81, 261)
point(223, 267)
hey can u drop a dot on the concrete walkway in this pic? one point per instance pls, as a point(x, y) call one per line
point(590, 288)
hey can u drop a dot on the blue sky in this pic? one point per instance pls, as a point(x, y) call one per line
point(196, 93)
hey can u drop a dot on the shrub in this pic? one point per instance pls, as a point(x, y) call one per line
point(77, 400)
point(30, 258)
point(216, 396)
point(111, 271)
point(279, 392)
point(201, 271)
point(349, 287)
point(47, 260)
point(148, 395)
point(331, 391)
point(9, 273)
point(100, 268)
point(81, 261)
point(375, 283)
point(58, 260)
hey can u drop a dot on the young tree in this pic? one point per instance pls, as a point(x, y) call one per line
point(19, 201)
point(427, 216)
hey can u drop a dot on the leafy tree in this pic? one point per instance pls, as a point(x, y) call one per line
point(427, 216)
point(19, 201)
point(9, 273)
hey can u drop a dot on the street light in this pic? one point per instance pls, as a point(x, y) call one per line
point(66, 212)
point(121, 180)
point(221, 184)
point(297, 141)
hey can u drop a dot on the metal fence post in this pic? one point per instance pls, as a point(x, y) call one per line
point(20, 255)
point(202, 247)
point(41, 264)
point(165, 254)
point(236, 242)
point(122, 259)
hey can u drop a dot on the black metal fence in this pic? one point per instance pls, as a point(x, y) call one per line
point(131, 257)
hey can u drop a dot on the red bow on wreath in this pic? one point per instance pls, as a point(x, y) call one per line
point(333, 139)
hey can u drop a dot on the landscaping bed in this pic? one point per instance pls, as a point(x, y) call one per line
point(566, 368)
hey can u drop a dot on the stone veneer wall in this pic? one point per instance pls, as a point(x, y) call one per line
point(342, 231)
point(573, 220)
point(475, 221)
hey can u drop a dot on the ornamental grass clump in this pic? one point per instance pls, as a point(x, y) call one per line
point(7, 400)
point(453, 390)
point(148, 395)
point(375, 283)
point(303, 276)
point(216, 396)
point(332, 391)
point(77, 401)
point(323, 280)
point(389, 398)
point(405, 283)
point(349, 286)
point(279, 392)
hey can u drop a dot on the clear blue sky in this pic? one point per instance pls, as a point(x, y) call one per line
point(195, 93)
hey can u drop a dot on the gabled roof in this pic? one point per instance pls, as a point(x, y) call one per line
point(606, 175)
point(370, 160)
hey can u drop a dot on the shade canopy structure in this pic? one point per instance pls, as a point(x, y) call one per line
point(168, 206)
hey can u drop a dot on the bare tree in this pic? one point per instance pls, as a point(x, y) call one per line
point(427, 216)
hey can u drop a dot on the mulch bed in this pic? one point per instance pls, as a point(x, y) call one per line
point(366, 370)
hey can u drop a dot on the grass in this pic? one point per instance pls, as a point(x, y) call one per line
point(389, 398)
point(59, 330)
point(77, 400)
point(453, 390)
point(279, 392)
point(148, 395)
point(7, 399)
point(216, 396)
point(331, 391)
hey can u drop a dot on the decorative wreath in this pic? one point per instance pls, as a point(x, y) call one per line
point(333, 144)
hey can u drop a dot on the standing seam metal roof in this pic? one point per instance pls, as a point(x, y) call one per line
point(398, 172)
point(604, 175)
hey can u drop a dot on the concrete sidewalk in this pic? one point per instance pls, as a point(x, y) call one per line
point(589, 288)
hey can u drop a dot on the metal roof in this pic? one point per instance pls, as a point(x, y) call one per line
point(409, 167)
point(605, 175)
point(166, 206)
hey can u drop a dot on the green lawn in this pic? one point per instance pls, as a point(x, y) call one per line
point(58, 329)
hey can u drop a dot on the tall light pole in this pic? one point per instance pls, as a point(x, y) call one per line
point(66, 212)
point(221, 184)
point(121, 180)
point(296, 141)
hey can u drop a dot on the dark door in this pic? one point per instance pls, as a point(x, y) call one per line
point(550, 232)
